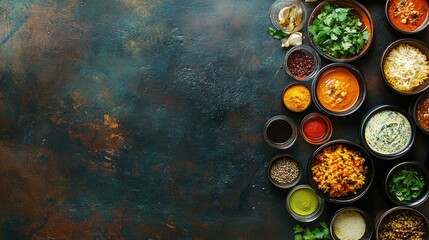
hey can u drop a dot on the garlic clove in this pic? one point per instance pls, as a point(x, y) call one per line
point(284, 13)
point(285, 42)
point(295, 39)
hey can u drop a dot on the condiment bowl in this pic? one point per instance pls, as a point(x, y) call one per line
point(284, 171)
point(351, 220)
point(393, 220)
point(296, 97)
point(399, 66)
point(405, 183)
point(395, 17)
point(419, 110)
point(302, 62)
point(316, 128)
point(277, 7)
point(330, 165)
point(357, 9)
point(387, 132)
point(338, 89)
point(280, 132)
point(303, 204)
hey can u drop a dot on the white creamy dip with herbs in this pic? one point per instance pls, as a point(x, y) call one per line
point(388, 132)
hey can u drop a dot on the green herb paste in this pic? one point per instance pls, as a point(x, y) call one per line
point(388, 132)
point(303, 201)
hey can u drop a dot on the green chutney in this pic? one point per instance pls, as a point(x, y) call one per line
point(303, 201)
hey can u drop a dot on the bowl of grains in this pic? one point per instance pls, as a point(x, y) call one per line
point(405, 66)
point(302, 62)
point(284, 171)
point(340, 171)
point(401, 223)
point(351, 223)
point(296, 97)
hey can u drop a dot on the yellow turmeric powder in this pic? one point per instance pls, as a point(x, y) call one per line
point(297, 98)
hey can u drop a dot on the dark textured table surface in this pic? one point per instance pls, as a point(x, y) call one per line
point(135, 119)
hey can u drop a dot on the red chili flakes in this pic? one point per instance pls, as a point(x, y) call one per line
point(300, 64)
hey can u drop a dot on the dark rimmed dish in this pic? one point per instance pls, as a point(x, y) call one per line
point(384, 131)
point(280, 132)
point(278, 5)
point(304, 104)
point(368, 164)
point(318, 210)
point(423, 98)
point(295, 176)
point(350, 69)
point(369, 229)
point(424, 194)
point(397, 28)
point(423, 48)
point(380, 224)
point(364, 16)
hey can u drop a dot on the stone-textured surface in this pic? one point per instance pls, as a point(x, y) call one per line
point(142, 119)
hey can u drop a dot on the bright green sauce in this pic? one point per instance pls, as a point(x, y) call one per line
point(303, 201)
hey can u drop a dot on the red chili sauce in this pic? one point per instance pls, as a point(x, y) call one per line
point(314, 128)
point(423, 112)
point(408, 15)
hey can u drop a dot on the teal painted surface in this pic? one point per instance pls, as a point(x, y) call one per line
point(143, 119)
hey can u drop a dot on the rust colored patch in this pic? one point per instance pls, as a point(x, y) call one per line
point(78, 100)
point(110, 122)
point(142, 7)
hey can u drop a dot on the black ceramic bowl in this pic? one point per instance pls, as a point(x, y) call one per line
point(322, 89)
point(422, 47)
point(414, 166)
point(383, 135)
point(423, 97)
point(357, 9)
point(285, 167)
point(333, 173)
point(389, 11)
point(383, 222)
point(348, 215)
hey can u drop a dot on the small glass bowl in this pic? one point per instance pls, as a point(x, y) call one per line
point(275, 129)
point(367, 234)
point(292, 67)
point(278, 5)
point(295, 170)
point(311, 120)
point(310, 192)
point(301, 102)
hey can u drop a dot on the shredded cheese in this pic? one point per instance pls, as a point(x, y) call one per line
point(406, 68)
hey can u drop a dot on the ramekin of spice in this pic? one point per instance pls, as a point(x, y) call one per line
point(280, 132)
point(304, 204)
point(284, 171)
point(316, 128)
point(302, 62)
point(296, 97)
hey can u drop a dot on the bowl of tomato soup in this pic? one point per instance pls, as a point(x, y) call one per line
point(338, 89)
point(407, 16)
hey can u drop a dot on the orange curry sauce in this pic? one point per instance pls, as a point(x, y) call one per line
point(408, 15)
point(337, 89)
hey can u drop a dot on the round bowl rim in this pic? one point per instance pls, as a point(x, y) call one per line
point(423, 196)
point(312, 52)
point(304, 14)
point(373, 111)
point(370, 173)
point(369, 228)
point(413, 108)
point(311, 217)
point(324, 137)
point(417, 30)
point(294, 159)
point(410, 41)
point(294, 135)
point(365, 48)
point(290, 85)
point(361, 81)
point(384, 213)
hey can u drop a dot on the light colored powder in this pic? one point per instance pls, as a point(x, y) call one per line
point(349, 225)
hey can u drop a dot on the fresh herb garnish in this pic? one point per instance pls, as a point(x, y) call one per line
point(312, 234)
point(277, 34)
point(406, 184)
point(337, 31)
